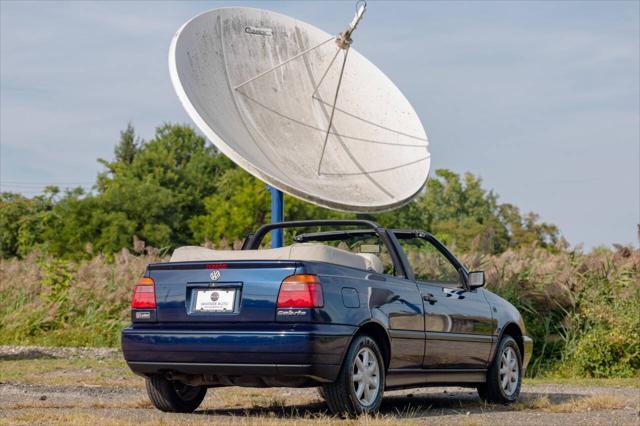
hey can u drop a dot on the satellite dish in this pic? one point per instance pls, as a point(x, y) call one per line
point(300, 109)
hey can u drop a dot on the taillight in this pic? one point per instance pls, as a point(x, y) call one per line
point(144, 294)
point(300, 291)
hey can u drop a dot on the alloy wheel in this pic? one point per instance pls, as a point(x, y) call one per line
point(366, 376)
point(509, 371)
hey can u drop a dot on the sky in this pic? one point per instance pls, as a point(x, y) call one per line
point(539, 98)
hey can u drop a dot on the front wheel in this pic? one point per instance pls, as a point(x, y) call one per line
point(360, 384)
point(504, 377)
point(173, 396)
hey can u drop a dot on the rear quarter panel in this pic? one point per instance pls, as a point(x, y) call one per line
point(392, 303)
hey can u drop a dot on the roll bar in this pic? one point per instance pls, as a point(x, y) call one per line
point(253, 241)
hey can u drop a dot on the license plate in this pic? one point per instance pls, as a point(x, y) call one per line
point(221, 300)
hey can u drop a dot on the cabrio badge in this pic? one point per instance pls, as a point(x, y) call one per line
point(291, 312)
point(215, 275)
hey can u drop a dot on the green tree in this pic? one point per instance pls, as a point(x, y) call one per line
point(24, 220)
point(164, 186)
point(128, 146)
point(468, 217)
point(242, 203)
point(176, 189)
point(527, 230)
point(13, 209)
point(82, 225)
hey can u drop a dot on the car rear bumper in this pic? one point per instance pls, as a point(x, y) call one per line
point(313, 352)
point(321, 373)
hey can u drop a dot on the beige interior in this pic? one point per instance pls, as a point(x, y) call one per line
point(374, 263)
point(304, 251)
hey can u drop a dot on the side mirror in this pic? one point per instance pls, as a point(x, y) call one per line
point(476, 279)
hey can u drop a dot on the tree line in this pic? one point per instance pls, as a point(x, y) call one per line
point(177, 189)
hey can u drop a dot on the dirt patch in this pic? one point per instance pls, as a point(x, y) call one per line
point(51, 352)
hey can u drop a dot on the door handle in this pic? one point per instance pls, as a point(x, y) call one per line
point(429, 298)
point(376, 277)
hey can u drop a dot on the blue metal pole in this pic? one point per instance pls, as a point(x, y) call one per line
point(277, 215)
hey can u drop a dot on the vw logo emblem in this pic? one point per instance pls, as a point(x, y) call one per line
point(215, 275)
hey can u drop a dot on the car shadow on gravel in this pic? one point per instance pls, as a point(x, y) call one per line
point(462, 403)
point(281, 411)
point(402, 406)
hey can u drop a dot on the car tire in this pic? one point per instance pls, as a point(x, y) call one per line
point(504, 376)
point(360, 384)
point(173, 396)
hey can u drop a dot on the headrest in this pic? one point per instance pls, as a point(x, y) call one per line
point(373, 262)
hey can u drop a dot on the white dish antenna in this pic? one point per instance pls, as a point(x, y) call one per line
point(300, 109)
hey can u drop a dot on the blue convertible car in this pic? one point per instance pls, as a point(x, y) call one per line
point(355, 310)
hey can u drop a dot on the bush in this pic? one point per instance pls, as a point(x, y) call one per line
point(581, 309)
point(604, 331)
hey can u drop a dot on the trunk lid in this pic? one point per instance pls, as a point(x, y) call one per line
point(235, 291)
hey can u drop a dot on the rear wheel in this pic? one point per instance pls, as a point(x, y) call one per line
point(504, 376)
point(360, 384)
point(174, 396)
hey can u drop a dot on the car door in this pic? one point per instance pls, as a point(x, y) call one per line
point(396, 302)
point(458, 321)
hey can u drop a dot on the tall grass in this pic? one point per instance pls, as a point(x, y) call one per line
point(582, 309)
point(52, 302)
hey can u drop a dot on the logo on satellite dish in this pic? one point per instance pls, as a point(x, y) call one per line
point(259, 31)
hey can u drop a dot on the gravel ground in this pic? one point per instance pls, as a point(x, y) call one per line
point(37, 399)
